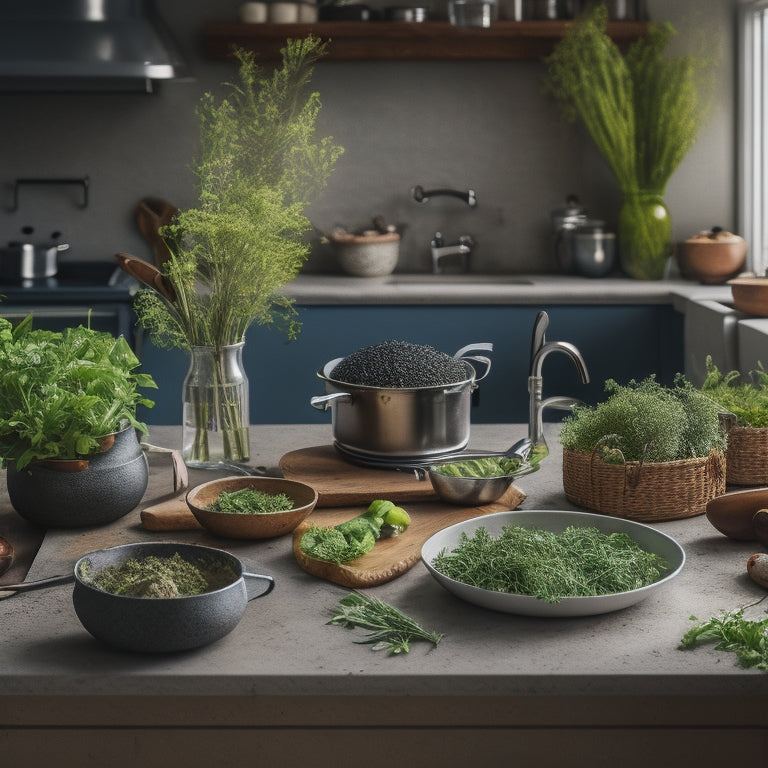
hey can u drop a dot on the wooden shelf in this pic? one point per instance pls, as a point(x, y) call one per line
point(402, 41)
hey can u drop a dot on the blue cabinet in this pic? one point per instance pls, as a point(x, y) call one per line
point(617, 341)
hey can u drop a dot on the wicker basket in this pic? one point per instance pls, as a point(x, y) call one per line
point(747, 456)
point(644, 491)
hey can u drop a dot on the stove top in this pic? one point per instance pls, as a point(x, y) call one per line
point(84, 281)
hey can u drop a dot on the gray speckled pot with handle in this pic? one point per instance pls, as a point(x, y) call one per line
point(163, 625)
point(111, 485)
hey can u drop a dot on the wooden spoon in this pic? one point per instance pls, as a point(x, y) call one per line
point(6, 555)
point(152, 213)
point(147, 274)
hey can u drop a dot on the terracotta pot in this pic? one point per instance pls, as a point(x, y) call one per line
point(714, 257)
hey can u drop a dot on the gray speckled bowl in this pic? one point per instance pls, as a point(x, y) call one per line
point(162, 625)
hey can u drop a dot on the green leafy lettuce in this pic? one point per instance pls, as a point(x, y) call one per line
point(61, 391)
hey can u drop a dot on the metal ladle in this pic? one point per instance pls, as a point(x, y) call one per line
point(9, 590)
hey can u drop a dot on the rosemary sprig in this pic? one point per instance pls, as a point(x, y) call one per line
point(390, 629)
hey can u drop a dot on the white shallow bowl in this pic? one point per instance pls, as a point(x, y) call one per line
point(648, 538)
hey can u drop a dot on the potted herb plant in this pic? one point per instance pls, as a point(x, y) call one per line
point(745, 400)
point(647, 452)
point(68, 424)
point(643, 110)
point(260, 164)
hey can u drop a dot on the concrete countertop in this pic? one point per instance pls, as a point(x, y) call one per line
point(283, 646)
point(496, 289)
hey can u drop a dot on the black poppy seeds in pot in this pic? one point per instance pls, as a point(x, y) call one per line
point(400, 365)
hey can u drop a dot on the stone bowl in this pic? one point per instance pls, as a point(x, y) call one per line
point(256, 526)
point(373, 255)
point(163, 625)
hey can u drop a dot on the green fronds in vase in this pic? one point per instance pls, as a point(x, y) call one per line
point(643, 110)
point(260, 165)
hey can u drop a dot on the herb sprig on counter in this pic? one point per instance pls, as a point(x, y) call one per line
point(732, 633)
point(579, 562)
point(390, 629)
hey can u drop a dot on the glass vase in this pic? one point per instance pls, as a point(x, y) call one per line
point(215, 418)
point(645, 235)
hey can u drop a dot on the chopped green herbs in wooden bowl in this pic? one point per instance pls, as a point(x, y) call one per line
point(251, 507)
point(552, 563)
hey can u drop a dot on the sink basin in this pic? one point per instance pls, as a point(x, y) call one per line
point(455, 279)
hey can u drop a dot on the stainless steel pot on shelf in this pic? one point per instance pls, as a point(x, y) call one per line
point(403, 423)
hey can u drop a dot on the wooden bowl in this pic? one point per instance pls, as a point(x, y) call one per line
point(732, 512)
point(258, 525)
point(750, 295)
point(714, 261)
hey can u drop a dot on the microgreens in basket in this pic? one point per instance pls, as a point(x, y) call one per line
point(646, 421)
point(744, 396)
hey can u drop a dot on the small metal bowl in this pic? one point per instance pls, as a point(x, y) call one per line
point(257, 526)
point(474, 491)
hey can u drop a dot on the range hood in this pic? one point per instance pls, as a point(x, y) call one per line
point(75, 45)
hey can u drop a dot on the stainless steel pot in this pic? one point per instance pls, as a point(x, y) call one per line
point(26, 261)
point(411, 423)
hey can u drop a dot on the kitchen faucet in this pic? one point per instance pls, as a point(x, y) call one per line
point(439, 250)
point(540, 348)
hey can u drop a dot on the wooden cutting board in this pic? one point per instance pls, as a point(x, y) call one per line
point(340, 483)
point(391, 558)
point(337, 482)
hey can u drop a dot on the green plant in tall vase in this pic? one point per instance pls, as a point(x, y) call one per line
point(260, 164)
point(643, 110)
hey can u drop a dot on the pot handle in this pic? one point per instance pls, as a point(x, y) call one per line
point(322, 402)
point(270, 585)
point(487, 346)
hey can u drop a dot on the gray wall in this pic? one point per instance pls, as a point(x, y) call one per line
point(486, 125)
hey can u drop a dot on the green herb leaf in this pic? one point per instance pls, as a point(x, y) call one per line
point(732, 633)
point(642, 110)
point(746, 397)
point(60, 392)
